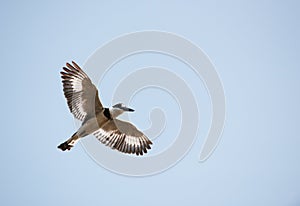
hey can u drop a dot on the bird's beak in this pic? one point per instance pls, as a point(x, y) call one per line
point(128, 109)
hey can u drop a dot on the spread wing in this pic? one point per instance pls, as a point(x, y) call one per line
point(123, 136)
point(81, 94)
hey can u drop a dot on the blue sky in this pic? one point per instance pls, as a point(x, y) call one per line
point(254, 46)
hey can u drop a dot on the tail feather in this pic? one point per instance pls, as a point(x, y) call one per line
point(64, 146)
point(67, 145)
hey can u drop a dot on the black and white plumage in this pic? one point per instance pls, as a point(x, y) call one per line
point(84, 104)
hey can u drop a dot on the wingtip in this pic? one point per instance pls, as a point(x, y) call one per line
point(68, 65)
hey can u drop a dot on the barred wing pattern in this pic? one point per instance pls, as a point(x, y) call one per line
point(123, 136)
point(81, 94)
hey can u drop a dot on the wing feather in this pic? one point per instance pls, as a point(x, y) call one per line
point(123, 136)
point(81, 94)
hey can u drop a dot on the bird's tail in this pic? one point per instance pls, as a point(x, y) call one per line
point(67, 145)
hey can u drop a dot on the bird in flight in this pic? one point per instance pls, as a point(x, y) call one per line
point(84, 103)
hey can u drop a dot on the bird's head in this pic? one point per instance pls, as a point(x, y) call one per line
point(118, 109)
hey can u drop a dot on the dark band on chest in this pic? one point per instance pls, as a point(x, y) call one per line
point(107, 113)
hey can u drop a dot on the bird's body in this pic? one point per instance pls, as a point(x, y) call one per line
point(84, 103)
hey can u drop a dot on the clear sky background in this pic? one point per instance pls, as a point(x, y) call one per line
point(253, 44)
